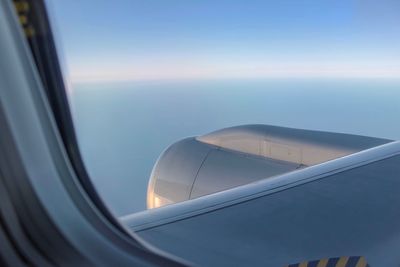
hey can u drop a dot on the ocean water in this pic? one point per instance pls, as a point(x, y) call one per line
point(123, 127)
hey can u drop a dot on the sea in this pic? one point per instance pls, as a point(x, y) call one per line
point(123, 127)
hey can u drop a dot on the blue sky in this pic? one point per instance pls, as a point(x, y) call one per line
point(181, 39)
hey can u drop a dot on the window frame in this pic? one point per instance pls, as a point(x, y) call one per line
point(59, 217)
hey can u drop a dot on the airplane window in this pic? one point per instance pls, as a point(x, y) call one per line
point(174, 100)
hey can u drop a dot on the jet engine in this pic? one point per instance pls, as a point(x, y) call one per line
point(231, 157)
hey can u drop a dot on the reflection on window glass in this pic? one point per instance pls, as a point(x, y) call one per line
point(145, 75)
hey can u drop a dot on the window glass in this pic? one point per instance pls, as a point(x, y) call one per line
point(145, 74)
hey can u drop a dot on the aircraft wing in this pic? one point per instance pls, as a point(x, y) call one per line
point(344, 212)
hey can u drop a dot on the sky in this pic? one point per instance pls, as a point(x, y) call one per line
point(104, 40)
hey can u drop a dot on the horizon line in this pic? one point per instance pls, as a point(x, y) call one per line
point(74, 80)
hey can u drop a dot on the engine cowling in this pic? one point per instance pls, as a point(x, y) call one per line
point(231, 157)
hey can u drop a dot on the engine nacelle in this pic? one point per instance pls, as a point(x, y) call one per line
point(235, 156)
